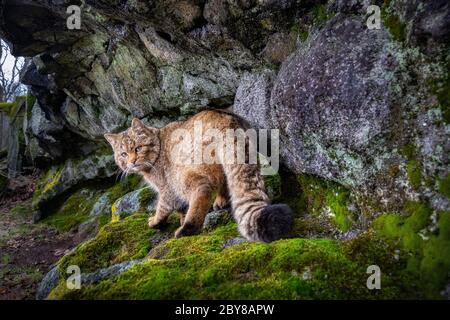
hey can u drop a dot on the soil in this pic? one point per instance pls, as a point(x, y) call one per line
point(27, 250)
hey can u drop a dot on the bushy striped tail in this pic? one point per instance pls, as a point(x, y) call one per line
point(257, 219)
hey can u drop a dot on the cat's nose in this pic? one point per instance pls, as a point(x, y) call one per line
point(132, 159)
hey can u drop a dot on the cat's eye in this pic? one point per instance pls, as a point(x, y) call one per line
point(151, 145)
point(138, 149)
point(124, 154)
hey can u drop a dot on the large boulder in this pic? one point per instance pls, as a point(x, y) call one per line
point(63, 178)
point(348, 111)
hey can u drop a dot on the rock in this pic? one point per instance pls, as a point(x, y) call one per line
point(72, 173)
point(216, 12)
point(102, 207)
point(216, 218)
point(107, 273)
point(348, 97)
point(234, 242)
point(351, 6)
point(48, 283)
point(279, 47)
point(141, 199)
point(252, 101)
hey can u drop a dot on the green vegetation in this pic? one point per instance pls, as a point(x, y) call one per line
point(301, 31)
point(444, 186)
point(319, 195)
point(321, 14)
point(6, 107)
point(427, 252)
point(47, 183)
point(413, 166)
point(200, 267)
point(413, 255)
point(116, 242)
point(414, 172)
point(74, 211)
point(394, 24)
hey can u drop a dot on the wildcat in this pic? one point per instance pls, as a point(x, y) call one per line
point(190, 188)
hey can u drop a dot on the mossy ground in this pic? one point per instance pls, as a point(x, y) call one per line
point(413, 255)
point(74, 211)
point(427, 250)
point(200, 267)
point(77, 207)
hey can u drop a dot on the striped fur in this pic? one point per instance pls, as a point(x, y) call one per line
point(193, 188)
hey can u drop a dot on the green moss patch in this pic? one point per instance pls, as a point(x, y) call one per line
point(6, 107)
point(414, 172)
point(444, 186)
point(116, 242)
point(74, 211)
point(201, 268)
point(319, 194)
point(427, 251)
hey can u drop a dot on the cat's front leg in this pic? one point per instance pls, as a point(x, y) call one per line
point(163, 209)
point(199, 204)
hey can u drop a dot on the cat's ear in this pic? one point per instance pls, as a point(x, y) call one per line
point(111, 138)
point(137, 125)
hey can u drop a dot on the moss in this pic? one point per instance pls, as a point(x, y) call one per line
point(413, 166)
point(48, 181)
point(395, 26)
point(115, 242)
point(18, 106)
point(30, 103)
point(427, 254)
point(414, 172)
point(123, 187)
point(74, 211)
point(200, 268)
point(409, 151)
point(6, 107)
point(300, 31)
point(319, 194)
point(444, 186)
point(273, 186)
point(321, 14)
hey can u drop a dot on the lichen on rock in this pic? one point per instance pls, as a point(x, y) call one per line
point(363, 118)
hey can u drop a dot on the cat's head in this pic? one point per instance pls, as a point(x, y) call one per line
point(137, 148)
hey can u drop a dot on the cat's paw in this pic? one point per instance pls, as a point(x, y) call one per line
point(187, 230)
point(155, 224)
point(220, 203)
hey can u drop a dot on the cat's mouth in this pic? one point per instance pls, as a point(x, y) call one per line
point(138, 167)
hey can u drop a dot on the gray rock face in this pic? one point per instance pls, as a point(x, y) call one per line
point(48, 283)
point(345, 111)
point(336, 94)
point(102, 206)
point(234, 242)
point(142, 199)
point(110, 272)
point(51, 279)
point(72, 173)
point(216, 218)
point(347, 100)
point(252, 100)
